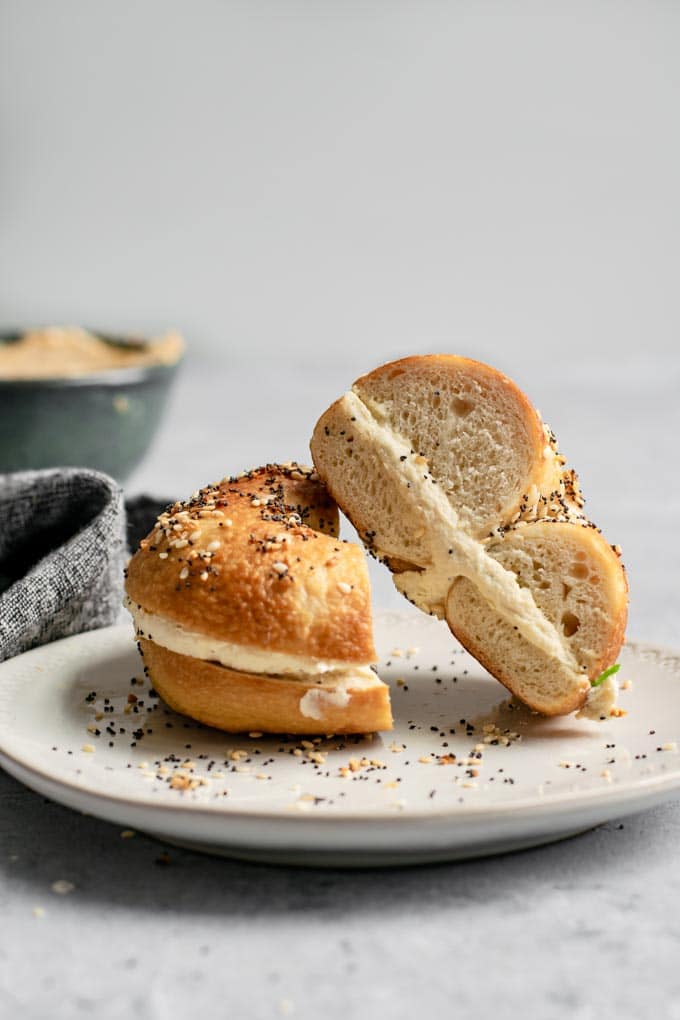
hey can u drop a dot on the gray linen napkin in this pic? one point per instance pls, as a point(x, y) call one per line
point(62, 554)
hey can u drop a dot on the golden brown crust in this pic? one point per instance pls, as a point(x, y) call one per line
point(240, 702)
point(619, 589)
point(253, 560)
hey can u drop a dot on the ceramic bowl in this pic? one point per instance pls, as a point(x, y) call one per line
point(104, 420)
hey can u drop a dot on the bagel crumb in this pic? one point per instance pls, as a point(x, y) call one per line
point(179, 783)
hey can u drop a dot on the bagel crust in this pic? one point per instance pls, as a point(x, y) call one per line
point(240, 702)
point(250, 572)
point(255, 560)
point(453, 481)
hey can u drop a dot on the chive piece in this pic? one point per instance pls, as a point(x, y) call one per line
point(604, 674)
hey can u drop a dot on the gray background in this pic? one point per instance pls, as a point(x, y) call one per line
point(305, 190)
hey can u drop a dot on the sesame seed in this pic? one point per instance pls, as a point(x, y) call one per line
point(344, 587)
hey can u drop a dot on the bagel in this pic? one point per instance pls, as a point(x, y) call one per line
point(250, 614)
point(453, 481)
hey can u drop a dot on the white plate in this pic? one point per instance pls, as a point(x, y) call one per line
point(274, 802)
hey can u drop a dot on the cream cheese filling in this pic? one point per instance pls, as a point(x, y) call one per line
point(177, 638)
point(600, 700)
point(454, 552)
point(317, 700)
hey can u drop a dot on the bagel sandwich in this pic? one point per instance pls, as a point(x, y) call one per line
point(251, 615)
point(451, 479)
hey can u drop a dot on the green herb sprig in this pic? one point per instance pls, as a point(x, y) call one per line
point(605, 674)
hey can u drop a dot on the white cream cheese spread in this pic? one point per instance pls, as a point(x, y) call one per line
point(316, 701)
point(172, 635)
point(600, 700)
point(454, 552)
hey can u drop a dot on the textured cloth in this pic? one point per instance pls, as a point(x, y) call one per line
point(62, 554)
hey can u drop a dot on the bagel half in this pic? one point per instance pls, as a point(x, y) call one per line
point(252, 615)
point(450, 478)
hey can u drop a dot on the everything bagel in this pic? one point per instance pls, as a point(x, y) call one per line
point(252, 615)
point(451, 479)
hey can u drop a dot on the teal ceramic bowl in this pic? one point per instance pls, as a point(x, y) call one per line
point(104, 420)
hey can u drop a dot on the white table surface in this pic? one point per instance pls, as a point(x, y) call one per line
point(585, 928)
